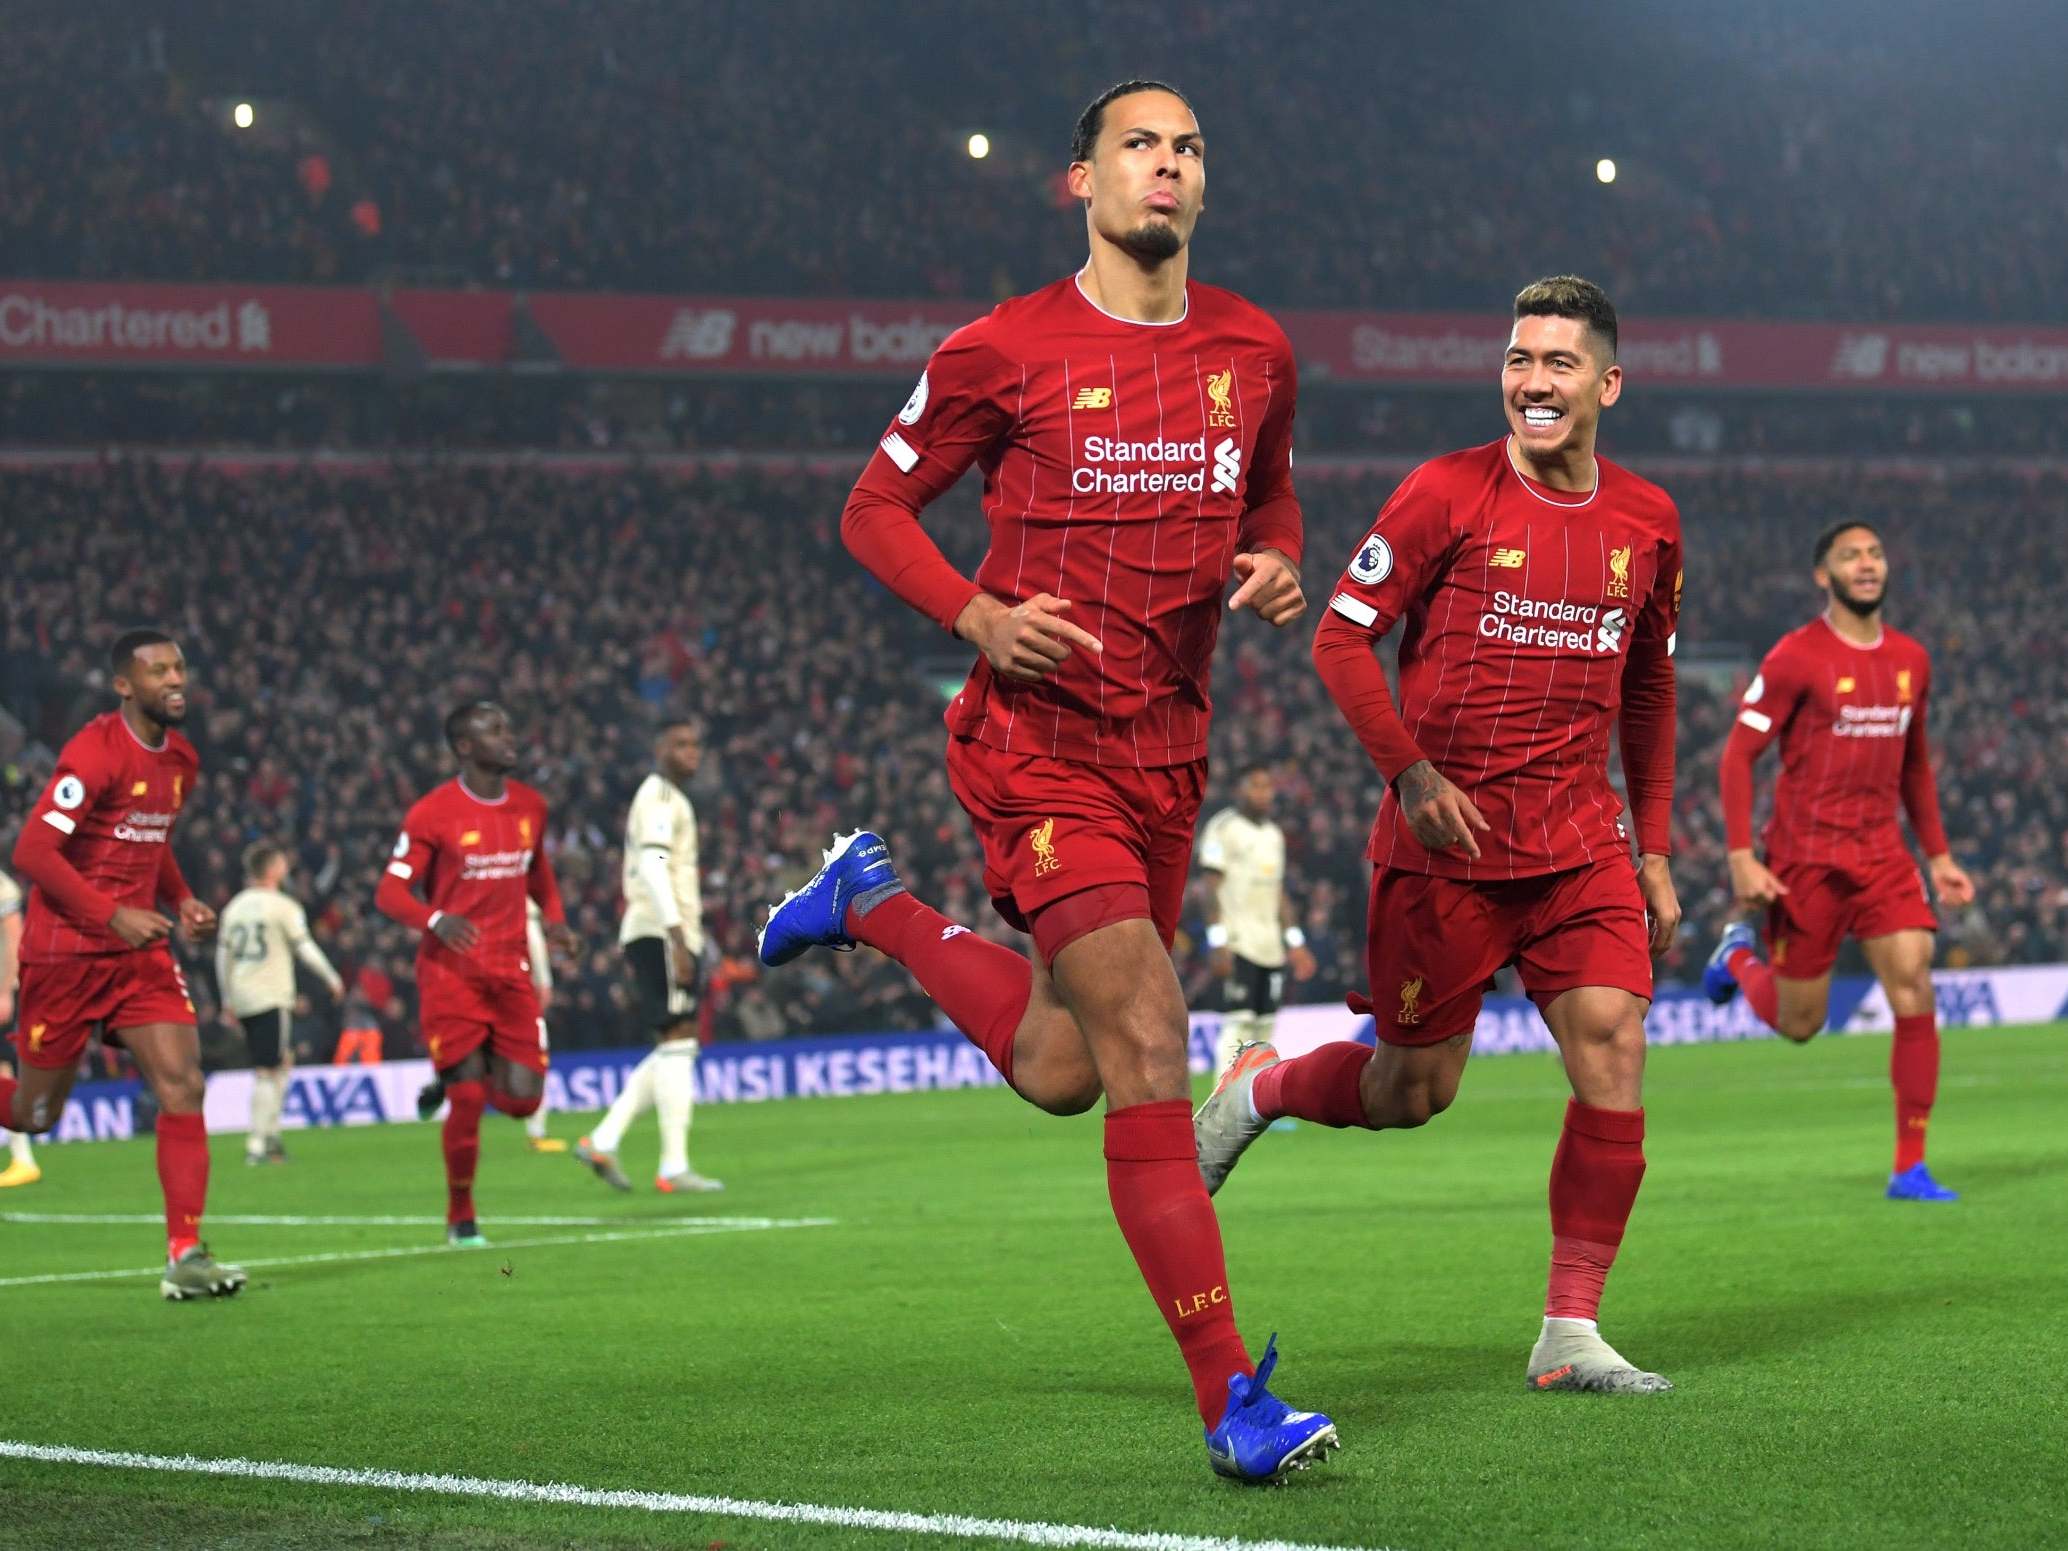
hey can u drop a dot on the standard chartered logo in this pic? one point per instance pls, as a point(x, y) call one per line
point(1109, 465)
point(1555, 624)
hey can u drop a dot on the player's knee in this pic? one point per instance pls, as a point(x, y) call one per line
point(1801, 1027)
point(518, 1106)
point(1072, 1099)
point(183, 1093)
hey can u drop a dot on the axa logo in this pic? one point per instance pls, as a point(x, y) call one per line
point(698, 335)
point(1093, 398)
point(1227, 466)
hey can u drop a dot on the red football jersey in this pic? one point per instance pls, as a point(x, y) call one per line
point(477, 859)
point(1850, 721)
point(113, 801)
point(1532, 616)
point(1125, 465)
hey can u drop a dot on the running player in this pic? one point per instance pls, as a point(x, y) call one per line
point(662, 936)
point(264, 930)
point(1135, 432)
point(21, 1157)
point(1540, 586)
point(97, 852)
point(1845, 697)
point(477, 846)
point(1250, 927)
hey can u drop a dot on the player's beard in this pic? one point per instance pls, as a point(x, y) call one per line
point(1858, 608)
point(1153, 242)
point(165, 717)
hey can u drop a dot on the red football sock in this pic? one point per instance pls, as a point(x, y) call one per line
point(1594, 1178)
point(1756, 979)
point(982, 987)
point(183, 1176)
point(1913, 1067)
point(1320, 1086)
point(7, 1087)
point(1160, 1202)
point(461, 1137)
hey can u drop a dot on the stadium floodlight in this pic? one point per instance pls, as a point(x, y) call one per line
point(242, 115)
point(1605, 170)
point(979, 147)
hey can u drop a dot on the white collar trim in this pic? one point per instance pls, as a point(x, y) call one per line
point(1508, 451)
point(1078, 281)
point(486, 802)
point(1880, 635)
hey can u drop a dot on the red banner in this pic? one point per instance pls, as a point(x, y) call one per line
point(56, 323)
point(114, 323)
point(745, 334)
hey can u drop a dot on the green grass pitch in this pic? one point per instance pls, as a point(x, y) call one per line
point(968, 1335)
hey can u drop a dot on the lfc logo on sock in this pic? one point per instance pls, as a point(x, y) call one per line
point(1199, 1303)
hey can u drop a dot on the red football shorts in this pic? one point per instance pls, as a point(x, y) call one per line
point(1052, 828)
point(460, 1013)
point(59, 1003)
point(1825, 904)
point(1432, 944)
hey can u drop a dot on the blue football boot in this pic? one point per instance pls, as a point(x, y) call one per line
point(815, 916)
point(1916, 1184)
point(1718, 983)
point(1259, 1438)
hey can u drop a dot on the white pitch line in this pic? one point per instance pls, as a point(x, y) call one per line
point(368, 1222)
point(953, 1525)
point(685, 1230)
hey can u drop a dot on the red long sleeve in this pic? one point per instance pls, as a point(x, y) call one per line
point(544, 887)
point(1646, 728)
point(394, 900)
point(39, 857)
point(1921, 790)
point(886, 537)
point(1740, 753)
point(172, 884)
point(1355, 681)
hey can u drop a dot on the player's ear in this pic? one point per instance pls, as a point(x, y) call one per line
point(1611, 385)
point(1077, 178)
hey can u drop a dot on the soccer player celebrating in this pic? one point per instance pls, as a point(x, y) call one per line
point(97, 852)
point(1250, 929)
point(1540, 586)
point(264, 930)
point(477, 846)
point(662, 935)
point(1845, 697)
point(1135, 432)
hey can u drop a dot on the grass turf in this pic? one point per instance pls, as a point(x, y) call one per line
point(970, 1336)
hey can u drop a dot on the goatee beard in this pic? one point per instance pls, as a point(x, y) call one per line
point(1854, 606)
point(1154, 242)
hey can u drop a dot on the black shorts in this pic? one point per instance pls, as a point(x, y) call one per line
point(1254, 988)
point(269, 1034)
point(663, 1001)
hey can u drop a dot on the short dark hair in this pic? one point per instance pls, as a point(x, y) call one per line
point(130, 642)
point(258, 856)
point(1829, 537)
point(1093, 118)
point(456, 720)
point(1569, 296)
point(668, 724)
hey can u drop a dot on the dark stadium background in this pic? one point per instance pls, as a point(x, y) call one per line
point(346, 551)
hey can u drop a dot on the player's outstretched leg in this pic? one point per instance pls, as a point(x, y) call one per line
point(598, 1151)
point(1003, 1003)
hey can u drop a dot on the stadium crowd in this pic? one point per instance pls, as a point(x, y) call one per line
point(331, 620)
point(614, 144)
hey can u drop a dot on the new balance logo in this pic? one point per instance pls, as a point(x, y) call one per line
point(1093, 398)
point(1227, 466)
point(1509, 559)
point(953, 931)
